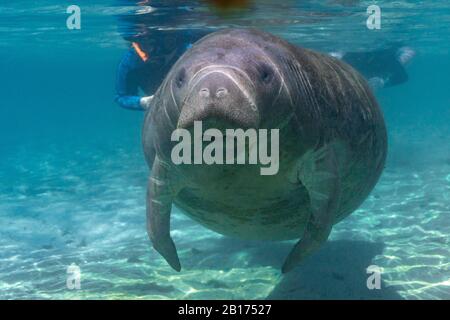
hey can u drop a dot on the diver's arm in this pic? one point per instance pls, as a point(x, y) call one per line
point(129, 102)
point(127, 84)
point(376, 83)
point(134, 102)
point(405, 55)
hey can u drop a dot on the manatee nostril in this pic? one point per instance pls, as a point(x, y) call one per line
point(204, 93)
point(221, 92)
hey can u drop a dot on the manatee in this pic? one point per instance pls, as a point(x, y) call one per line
point(332, 142)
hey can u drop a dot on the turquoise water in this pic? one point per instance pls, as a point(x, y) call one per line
point(73, 175)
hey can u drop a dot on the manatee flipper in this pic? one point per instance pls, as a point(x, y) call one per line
point(159, 204)
point(318, 171)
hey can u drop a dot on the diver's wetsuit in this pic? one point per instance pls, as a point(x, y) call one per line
point(382, 68)
point(382, 64)
point(142, 29)
point(135, 73)
point(130, 76)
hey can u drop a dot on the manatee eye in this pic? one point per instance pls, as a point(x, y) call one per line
point(179, 79)
point(266, 73)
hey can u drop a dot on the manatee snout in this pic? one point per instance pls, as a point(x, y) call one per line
point(220, 96)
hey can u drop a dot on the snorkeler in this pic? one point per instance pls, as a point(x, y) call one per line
point(145, 65)
point(155, 45)
point(382, 68)
point(154, 49)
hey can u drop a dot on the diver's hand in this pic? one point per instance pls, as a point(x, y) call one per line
point(405, 55)
point(337, 54)
point(145, 102)
point(376, 83)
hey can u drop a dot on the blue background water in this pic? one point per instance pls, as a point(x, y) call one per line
point(73, 175)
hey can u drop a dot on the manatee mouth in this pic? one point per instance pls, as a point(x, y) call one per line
point(222, 97)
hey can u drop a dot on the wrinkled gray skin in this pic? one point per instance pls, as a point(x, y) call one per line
point(333, 142)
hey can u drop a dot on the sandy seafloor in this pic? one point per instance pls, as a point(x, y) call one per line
point(87, 207)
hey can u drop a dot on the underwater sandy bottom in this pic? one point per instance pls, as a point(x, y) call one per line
point(59, 207)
